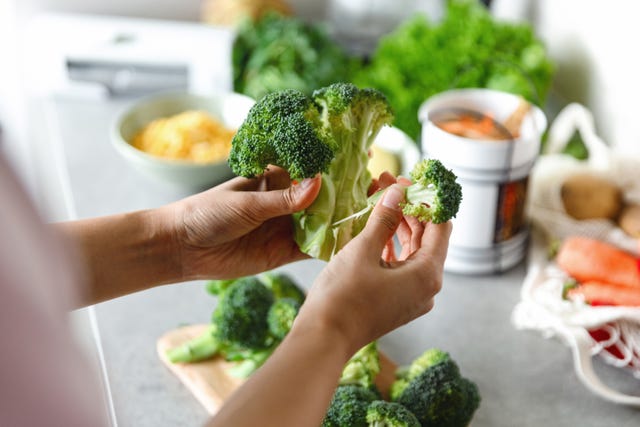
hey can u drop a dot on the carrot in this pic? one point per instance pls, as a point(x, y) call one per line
point(600, 293)
point(587, 259)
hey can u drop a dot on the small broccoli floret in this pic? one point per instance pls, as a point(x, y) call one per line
point(423, 362)
point(281, 316)
point(348, 407)
point(440, 396)
point(390, 414)
point(434, 195)
point(241, 314)
point(283, 286)
point(363, 367)
point(282, 129)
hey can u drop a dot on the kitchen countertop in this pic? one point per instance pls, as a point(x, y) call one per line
point(525, 379)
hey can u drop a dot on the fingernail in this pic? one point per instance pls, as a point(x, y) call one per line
point(392, 197)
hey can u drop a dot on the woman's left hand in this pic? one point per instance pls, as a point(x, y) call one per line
point(240, 227)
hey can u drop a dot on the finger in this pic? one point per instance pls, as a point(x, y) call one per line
point(384, 220)
point(273, 178)
point(435, 242)
point(294, 198)
point(386, 179)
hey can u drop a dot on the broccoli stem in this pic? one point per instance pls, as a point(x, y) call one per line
point(199, 348)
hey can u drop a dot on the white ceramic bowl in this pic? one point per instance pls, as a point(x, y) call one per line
point(230, 108)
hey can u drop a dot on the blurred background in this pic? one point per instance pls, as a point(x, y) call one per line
point(589, 43)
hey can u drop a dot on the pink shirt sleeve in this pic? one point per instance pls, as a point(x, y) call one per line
point(45, 379)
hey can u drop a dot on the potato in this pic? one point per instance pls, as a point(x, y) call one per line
point(629, 220)
point(589, 196)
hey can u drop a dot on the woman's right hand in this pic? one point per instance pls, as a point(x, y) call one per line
point(367, 291)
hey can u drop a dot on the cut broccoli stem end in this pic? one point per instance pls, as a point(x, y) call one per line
point(202, 347)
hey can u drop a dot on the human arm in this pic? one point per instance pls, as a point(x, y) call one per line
point(357, 298)
point(209, 235)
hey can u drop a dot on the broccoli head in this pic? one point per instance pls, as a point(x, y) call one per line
point(363, 367)
point(241, 313)
point(440, 396)
point(390, 414)
point(329, 132)
point(281, 316)
point(284, 129)
point(421, 363)
point(348, 407)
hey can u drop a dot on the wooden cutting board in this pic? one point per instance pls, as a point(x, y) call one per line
point(209, 381)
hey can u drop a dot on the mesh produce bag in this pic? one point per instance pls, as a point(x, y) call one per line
point(612, 332)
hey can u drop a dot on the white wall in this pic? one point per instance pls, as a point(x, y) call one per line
point(594, 45)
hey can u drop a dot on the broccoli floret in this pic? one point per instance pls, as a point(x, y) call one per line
point(283, 286)
point(281, 316)
point(440, 396)
point(283, 129)
point(248, 360)
point(363, 367)
point(390, 414)
point(329, 133)
point(434, 195)
point(423, 362)
point(348, 407)
point(241, 314)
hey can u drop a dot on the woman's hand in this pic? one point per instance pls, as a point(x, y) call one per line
point(366, 290)
point(241, 227)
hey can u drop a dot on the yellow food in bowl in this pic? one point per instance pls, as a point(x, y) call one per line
point(191, 135)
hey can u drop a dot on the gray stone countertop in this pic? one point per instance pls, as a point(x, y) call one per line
point(525, 380)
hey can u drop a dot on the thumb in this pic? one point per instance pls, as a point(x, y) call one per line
point(289, 200)
point(384, 220)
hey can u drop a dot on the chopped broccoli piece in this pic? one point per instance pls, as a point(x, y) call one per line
point(390, 414)
point(329, 133)
point(348, 407)
point(363, 367)
point(423, 362)
point(440, 396)
point(202, 347)
point(283, 286)
point(281, 316)
point(434, 195)
point(248, 360)
point(241, 314)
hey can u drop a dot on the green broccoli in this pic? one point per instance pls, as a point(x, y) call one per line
point(202, 347)
point(390, 414)
point(363, 367)
point(329, 133)
point(241, 313)
point(440, 396)
point(239, 322)
point(281, 315)
point(434, 195)
point(417, 366)
point(282, 286)
point(348, 407)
